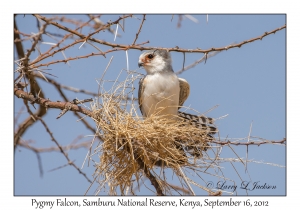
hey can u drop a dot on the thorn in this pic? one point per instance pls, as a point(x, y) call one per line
point(32, 103)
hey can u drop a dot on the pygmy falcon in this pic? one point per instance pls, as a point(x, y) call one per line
point(161, 92)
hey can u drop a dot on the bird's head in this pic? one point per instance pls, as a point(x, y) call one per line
point(156, 61)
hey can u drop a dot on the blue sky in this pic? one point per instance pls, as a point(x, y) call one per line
point(248, 84)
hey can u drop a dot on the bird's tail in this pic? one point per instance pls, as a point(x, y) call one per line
point(204, 123)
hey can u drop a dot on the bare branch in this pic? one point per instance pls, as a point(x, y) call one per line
point(196, 62)
point(75, 58)
point(85, 144)
point(139, 31)
point(50, 104)
point(62, 151)
point(150, 48)
point(18, 45)
point(29, 121)
point(150, 176)
point(42, 31)
point(257, 143)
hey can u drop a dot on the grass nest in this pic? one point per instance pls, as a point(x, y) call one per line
point(132, 146)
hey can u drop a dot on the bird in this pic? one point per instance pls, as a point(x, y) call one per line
point(162, 93)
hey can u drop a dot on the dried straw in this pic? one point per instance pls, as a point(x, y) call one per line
point(127, 138)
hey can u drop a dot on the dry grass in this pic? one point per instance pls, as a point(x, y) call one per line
point(127, 137)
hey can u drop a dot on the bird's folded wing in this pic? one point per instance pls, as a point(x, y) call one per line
point(140, 93)
point(184, 91)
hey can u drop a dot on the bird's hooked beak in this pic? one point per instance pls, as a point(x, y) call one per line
point(140, 63)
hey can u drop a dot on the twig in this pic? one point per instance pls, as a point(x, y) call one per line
point(75, 22)
point(139, 31)
point(186, 181)
point(37, 154)
point(249, 143)
point(47, 53)
point(77, 57)
point(68, 106)
point(196, 62)
point(50, 104)
point(85, 144)
point(61, 149)
point(150, 176)
point(77, 33)
point(37, 38)
point(29, 121)
point(88, 126)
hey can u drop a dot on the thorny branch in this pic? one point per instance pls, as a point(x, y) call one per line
point(139, 31)
point(118, 47)
point(257, 143)
point(99, 23)
point(77, 57)
point(50, 104)
point(47, 53)
point(27, 123)
point(33, 85)
point(176, 49)
point(123, 47)
point(88, 126)
point(73, 89)
point(42, 31)
point(62, 151)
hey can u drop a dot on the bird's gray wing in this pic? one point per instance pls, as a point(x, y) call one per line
point(184, 91)
point(141, 91)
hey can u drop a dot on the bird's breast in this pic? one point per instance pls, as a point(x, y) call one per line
point(161, 94)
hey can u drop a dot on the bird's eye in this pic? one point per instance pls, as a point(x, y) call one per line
point(150, 56)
